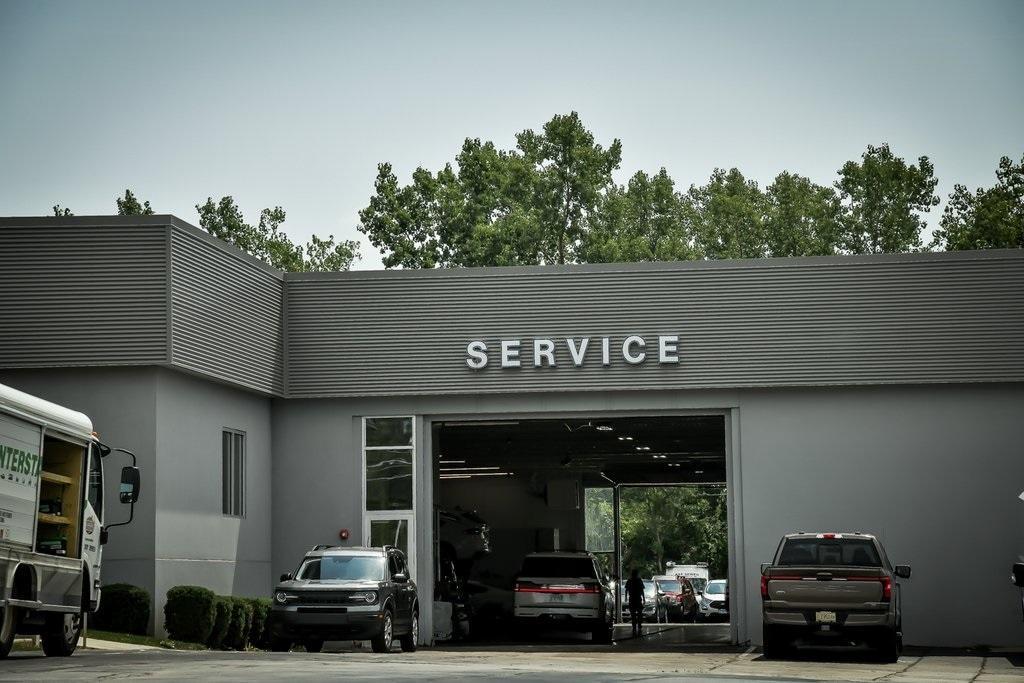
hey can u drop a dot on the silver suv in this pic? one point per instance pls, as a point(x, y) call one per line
point(565, 590)
point(832, 587)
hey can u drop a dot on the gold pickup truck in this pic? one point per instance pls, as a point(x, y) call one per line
point(832, 588)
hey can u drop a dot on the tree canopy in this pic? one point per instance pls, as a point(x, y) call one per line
point(553, 199)
point(990, 218)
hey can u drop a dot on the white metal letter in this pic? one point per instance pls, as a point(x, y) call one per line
point(577, 353)
point(543, 348)
point(510, 353)
point(668, 348)
point(606, 356)
point(630, 341)
point(477, 355)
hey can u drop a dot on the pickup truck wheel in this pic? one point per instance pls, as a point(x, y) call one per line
point(776, 645)
point(8, 625)
point(887, 645)
point(382, 643)
point(61, 635)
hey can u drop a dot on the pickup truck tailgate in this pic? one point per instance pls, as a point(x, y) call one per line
point(814, 588)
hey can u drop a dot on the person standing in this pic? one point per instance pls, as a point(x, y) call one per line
point(636, 598)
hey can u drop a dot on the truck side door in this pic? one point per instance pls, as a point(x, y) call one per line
point(92, 524)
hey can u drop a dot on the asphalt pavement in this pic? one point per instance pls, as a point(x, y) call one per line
point(534, 663)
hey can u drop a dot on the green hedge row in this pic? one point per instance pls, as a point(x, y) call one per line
point(123, 608)
point(197, 615)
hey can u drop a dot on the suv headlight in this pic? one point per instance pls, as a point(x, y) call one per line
point(281, 597)
point(369, 597)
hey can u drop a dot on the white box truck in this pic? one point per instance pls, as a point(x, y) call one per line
point(51, 520)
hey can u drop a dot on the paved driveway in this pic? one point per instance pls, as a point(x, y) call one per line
point(534, 663)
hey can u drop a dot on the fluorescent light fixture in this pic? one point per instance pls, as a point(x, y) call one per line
point(625, 438)
point(642, 448)
point(698, 471)
point(467, 469)
point(476, 474)
point(604, 427)
point(452, 462)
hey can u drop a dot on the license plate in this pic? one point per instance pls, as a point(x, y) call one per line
point(825, 617)
point(556, 597)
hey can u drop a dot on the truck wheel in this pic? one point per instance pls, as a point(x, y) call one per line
point(8, 625)
point(776, 645)
point(382, 643)
point(314, 645)
point(61, 635)
point(887, 645)
point(408, 641)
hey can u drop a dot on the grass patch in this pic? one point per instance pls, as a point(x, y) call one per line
point(144, 640)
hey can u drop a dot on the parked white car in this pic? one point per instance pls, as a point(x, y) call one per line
point(713, 603)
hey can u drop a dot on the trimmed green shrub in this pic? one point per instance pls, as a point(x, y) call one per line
point(258, 636)
point(124, 608)
point(189, 613)
point(241, 623)
point(221, 622)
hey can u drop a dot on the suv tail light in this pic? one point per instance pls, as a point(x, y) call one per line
point(886, 588)
point(528, 587)
point(764, 587)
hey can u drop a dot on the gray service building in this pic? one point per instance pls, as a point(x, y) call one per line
point(271, 410)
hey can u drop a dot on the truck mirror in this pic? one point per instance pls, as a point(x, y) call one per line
point(129, 492)
point(764, 567)
point(1018, 574)
point(902, 571)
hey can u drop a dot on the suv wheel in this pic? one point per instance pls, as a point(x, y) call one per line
point(382, 643)
point(410, 639)
point(280, 645)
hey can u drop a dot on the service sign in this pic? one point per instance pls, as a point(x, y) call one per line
point(577, 352)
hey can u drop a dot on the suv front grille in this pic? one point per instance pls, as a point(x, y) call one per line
point(326, 598)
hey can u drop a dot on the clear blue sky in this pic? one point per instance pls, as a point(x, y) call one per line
point(294, 103)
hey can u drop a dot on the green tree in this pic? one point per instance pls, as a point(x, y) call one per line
point(802, 218)
point(529, 205)
point(727, 216)
point(685, 524)
point(266, 241)
point(130, 206)
point(644, 221)
point(988, 219)
point(60, 211)
point(883, 198)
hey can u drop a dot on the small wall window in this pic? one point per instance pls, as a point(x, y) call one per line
point(233, 472)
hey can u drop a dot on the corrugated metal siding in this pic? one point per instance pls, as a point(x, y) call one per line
point(856, 321)
point(225, 314)
point(76, 295)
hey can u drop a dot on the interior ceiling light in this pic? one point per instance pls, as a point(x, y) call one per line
point(467, 469)
point(629, 438)
point(604, 427)
point(474, 475)
point(698, 471)
point(643, 448)
point(452, 462)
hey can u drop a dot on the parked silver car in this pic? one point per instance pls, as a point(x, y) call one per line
point(565, 590)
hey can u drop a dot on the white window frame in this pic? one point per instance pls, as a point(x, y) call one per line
point(383, 515)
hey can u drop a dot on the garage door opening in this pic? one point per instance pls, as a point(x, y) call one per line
point(630, 490)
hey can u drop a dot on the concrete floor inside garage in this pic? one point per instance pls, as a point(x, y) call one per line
point(527, 480)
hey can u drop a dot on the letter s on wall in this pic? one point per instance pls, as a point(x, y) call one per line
point(476, 355)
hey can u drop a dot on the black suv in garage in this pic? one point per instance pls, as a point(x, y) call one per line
point(344, 593)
